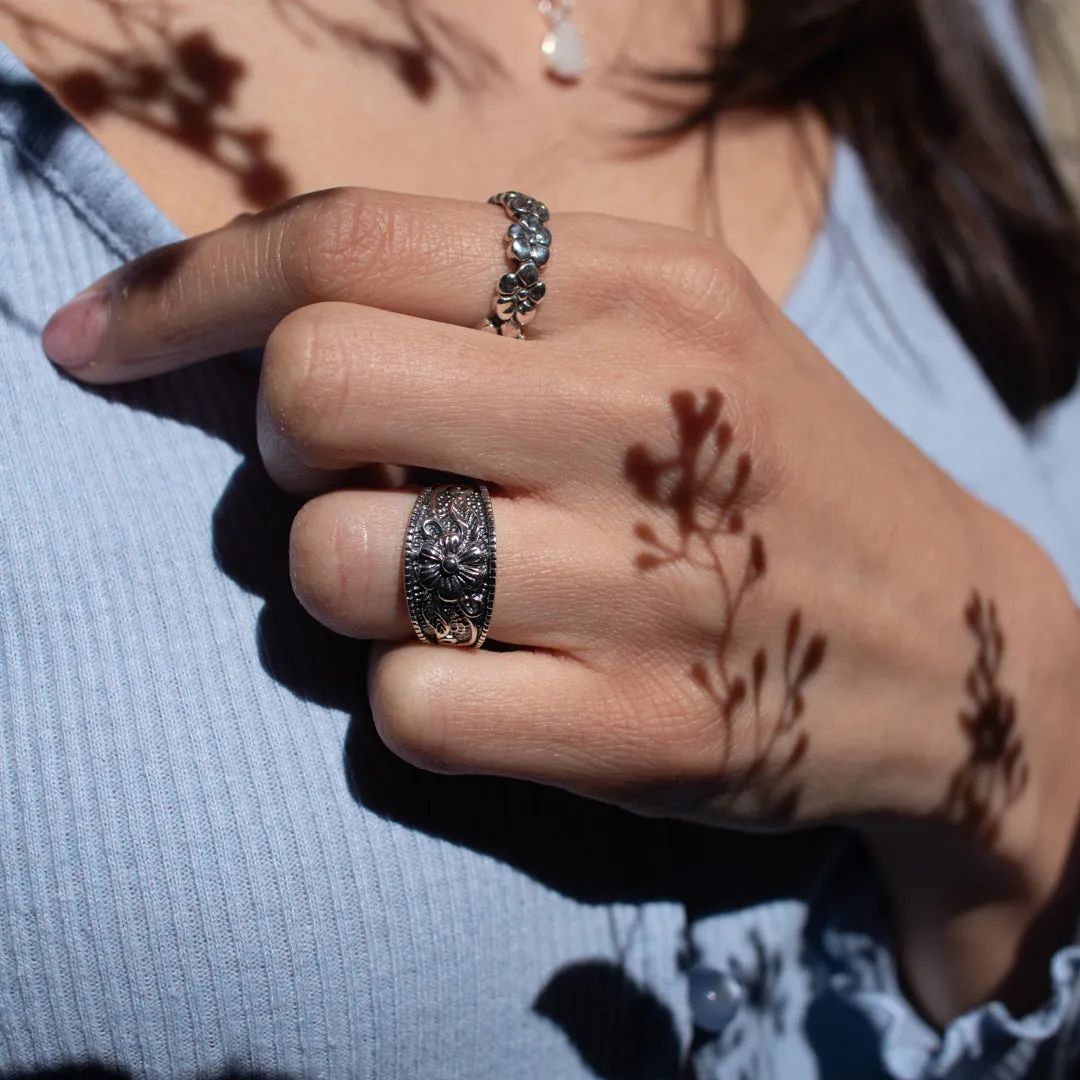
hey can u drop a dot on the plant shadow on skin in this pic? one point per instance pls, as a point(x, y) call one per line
point(590, 851)
point(995, 773)
point(178, 84)
point(431, 48)
point(182, 83)
point(702, 488)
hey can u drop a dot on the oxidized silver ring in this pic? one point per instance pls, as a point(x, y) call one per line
point(450, 564)
point(528, 244)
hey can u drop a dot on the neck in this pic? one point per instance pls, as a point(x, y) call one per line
point(221, 108)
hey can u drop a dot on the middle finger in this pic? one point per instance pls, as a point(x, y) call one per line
point(344, 385)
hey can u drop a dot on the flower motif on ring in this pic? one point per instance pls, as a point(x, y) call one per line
point(473, 606)
point(451, 565)
point(519, 294)
point(523, 206)
point(529, 241)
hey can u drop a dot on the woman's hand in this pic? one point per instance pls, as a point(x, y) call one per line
point(735, 593)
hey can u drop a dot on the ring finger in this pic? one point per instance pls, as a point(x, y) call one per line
point(346, 563)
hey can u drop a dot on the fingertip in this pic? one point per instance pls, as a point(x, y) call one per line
point(74, 338)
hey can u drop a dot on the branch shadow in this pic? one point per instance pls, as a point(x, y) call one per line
point(432, 47)
point(995, 773)
point(703, 488)
point(38, 120)
point(181, 85)
point(620, 1030)
point(13, 316)
point(93, 1070)
point(586, 850)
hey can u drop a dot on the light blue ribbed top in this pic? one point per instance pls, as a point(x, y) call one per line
point(208, 861)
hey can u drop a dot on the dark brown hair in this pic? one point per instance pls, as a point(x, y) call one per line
point(918, 88)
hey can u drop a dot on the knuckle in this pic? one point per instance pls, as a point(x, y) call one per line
point(710, 458)
point(325, 553)
point(662, 743)
point(748, 470)
point(339, 238)
point(301, 383)
point(703, 753)
point(609, 248)
point(754, 467)
point(697, 290)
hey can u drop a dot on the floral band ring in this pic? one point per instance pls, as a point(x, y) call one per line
point(449, 564)
point(529, 248)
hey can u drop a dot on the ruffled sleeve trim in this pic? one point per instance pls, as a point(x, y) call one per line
point(855, 962)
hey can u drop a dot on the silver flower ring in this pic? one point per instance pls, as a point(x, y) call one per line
point(528, 245)
point(449, 564)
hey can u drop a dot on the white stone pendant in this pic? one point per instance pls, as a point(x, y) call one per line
point(564, 49)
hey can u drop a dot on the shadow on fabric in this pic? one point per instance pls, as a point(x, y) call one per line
point(620, 1030)
point(37, 120)
point(95, 1071)
point(586, 850)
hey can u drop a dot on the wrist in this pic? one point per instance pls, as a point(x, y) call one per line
point(984, 886)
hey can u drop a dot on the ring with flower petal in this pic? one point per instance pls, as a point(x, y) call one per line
point(449, 564)
point(528, 245)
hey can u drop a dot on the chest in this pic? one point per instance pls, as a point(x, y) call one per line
point(218, 110)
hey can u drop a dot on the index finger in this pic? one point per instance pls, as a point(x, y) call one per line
point(224, 291)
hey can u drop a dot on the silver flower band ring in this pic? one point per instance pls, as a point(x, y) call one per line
point(450, 564)
point(528, 245)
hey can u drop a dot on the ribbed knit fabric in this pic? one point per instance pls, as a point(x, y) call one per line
point(209, 862)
